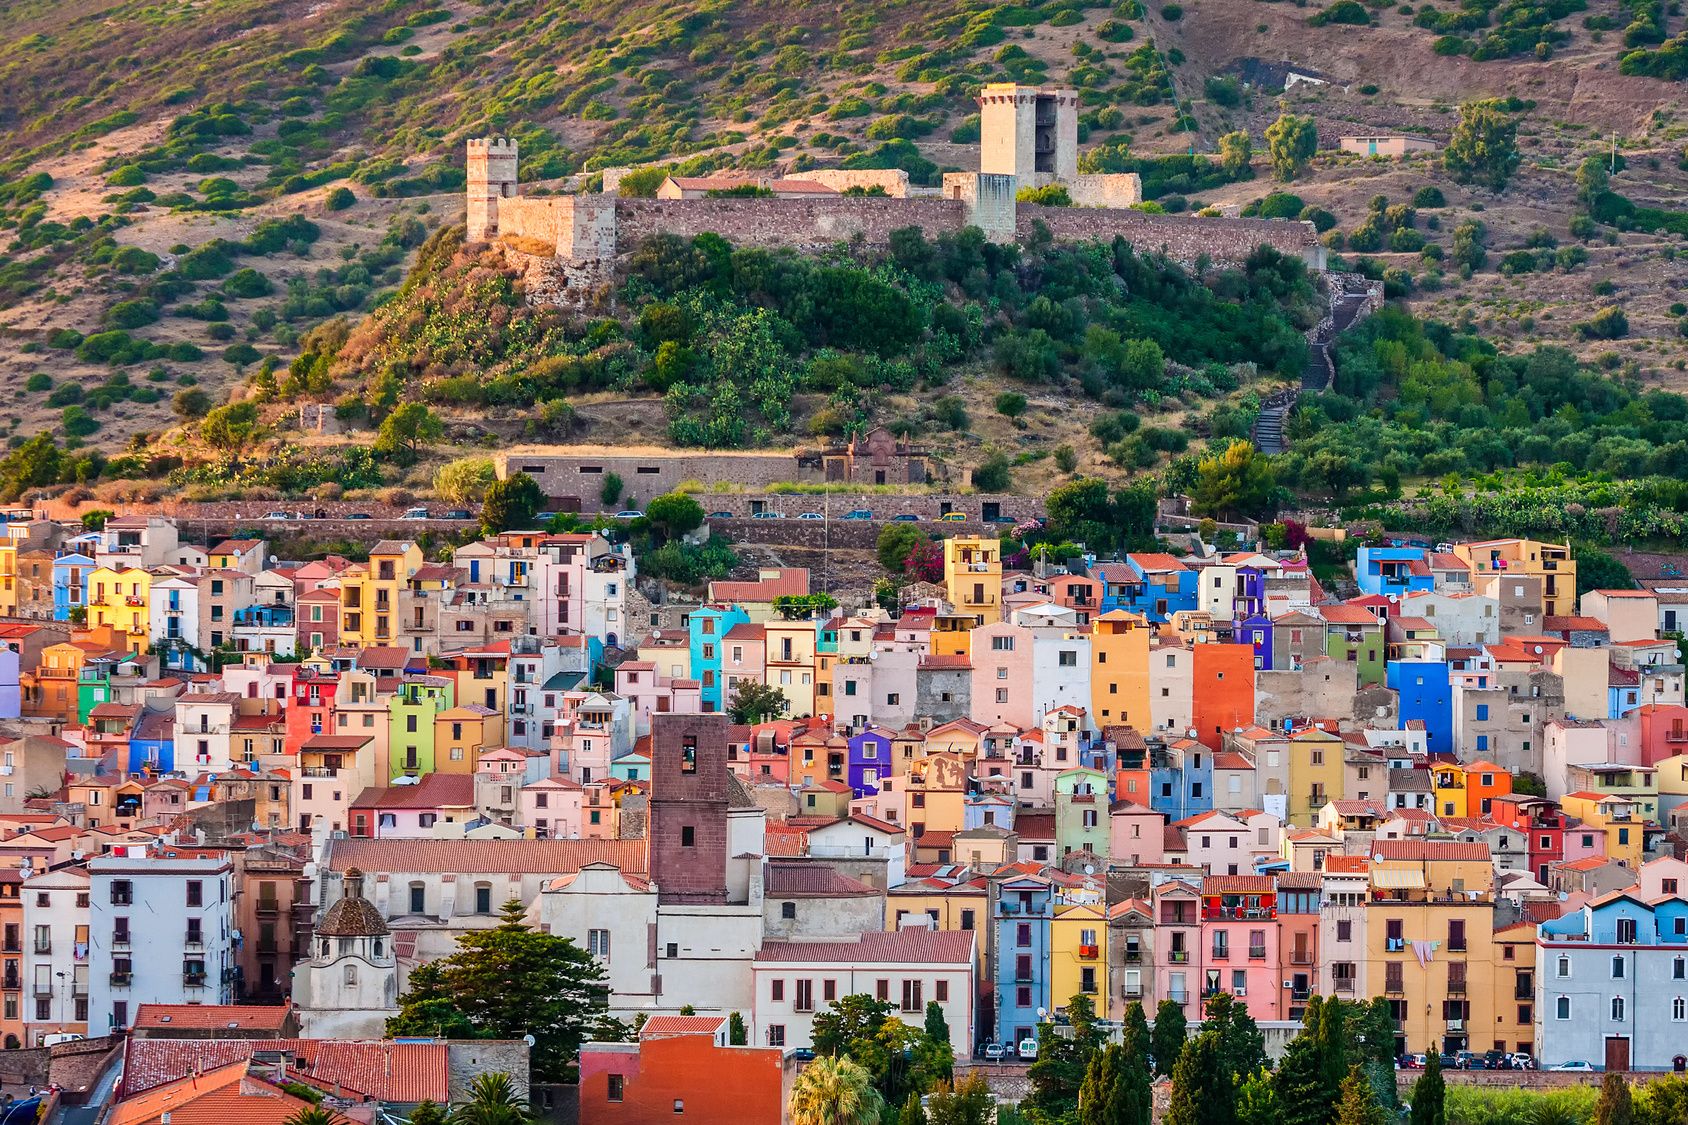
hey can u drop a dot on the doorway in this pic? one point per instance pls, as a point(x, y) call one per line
point(1617, 1053)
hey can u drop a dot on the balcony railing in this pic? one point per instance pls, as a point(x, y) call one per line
point(269, 906)
point(1257, 952)
point(12, 982)
point(193, 980)
point(194, 940)
point(1394, 945)
point(1343, 984)
point(43, 988)
point(1133, 956)
point(320, 772)
point(1221, 953)
point(120, 940)
point(1456, 988)
point(1393, 988)
point(121, 980)
point(1088, 952)
point(1300, 957)
point(1179, 956)
point(1178, 996)
point(43, 947)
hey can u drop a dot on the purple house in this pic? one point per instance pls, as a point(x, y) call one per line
point(870, 759)
point(1256, 630)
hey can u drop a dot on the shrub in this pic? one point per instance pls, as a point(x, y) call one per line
point(38, 382)
point(1342, 12)
point(1426, 198)
point(1609, 323)
point(132, 314)
point(340, 198)
point(1172, 13)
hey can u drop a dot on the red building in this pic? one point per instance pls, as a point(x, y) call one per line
point(1542, 824)
point(682, 1069)
point(1222, 685)
point(688, 807)
point(310, 705)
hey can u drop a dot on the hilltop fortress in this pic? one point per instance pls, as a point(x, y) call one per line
point(1028, 138)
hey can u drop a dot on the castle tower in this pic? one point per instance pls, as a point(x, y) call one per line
point(690, 791)
point(1028, 132)
point(492, 176)
point(350, 985)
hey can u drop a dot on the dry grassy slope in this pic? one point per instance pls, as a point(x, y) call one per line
point(128, 53)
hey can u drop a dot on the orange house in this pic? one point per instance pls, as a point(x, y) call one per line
point(1222, 686)
point(682, 1068)
point(1484, 781)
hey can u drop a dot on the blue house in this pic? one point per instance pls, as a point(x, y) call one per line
point(1155, 586)
point(707, 626)
point(1425, 693)
point(1180, 778)
point(1623, 691)
point(1024, 910)
point(153, 742)
point(1389, 571)
point(870, 759)
point(70, 583)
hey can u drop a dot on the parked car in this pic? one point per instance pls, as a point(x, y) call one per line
point(768, 516)
point(859, 514)
point(1000, 519)
point(905, 517)
point(1521, 1060)
point(1582, 1065)
point(803, 1054)
point(1410, 1062)
point(722, 516)
point(62, 1037)
point(1468, 1060)
point(277, 516)
point(357, 515)
point(459, 514)
point(953, 517)
point(1449, 1062)
point(630, 514)
point(415, 514)
point(1028, 1048)
point(1496, 1060)
point(811, 516)
point(993, 1052)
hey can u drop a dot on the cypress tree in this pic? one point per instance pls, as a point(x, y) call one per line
point(1196, 1080)
point(1166, 1041)
point(1430, 1093)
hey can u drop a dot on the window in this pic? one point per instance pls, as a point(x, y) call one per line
point(1618, 968)
point(1564, 967)
point(1345, 930)
point(616, 1087)
point(805, 1000)
point(418, 898)
point(776, 1035)
point(912, 1001)
point(788, 910)
point(829, 990)
point(688, 754)
point(776, 989)
point(196, 893)
point(688, 836)
point(1456, 935)
point(1679, 1009)
point(1679, 969)
point(1562, 1008)
point(1617, 1009)
point(483, 898)
point(598, 943)
point(940, 992)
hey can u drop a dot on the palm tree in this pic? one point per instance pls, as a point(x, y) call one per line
point(492, 1101)
point(834, 1091)
point(315, 1115)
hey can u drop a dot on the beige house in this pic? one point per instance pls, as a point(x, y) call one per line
point(1387, 145)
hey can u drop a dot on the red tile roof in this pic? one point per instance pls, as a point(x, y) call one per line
point(1347, 615)
point(227, 1094)
point(1428, 850)
point(933, 947)
point(211, 1016)
point(788, 582)
point(435, 790)
point(514, 857)
point(1238, 885)
point(1346, 864)
point(658, 1026)
point(384, 1070)
point(803, 880)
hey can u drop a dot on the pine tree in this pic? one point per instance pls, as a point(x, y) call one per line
point(1430, 1093)
point(1136, 1037)
point(1332, 1038)
point(1133, 1093)
point(1300, 1083)
point(938, 1035)
point(1615, 1106)
point(967, 1102)
point(428, 1113)
point(1257, 1100)
point(1167, 1039)
point(1196, 1097)
point(737, 1033)
point(1358, 1106)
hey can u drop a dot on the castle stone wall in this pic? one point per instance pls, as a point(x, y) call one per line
point(1118, 189)
point(1183, 238)
point(536, 219)
point(804, 224)
point(893, 180)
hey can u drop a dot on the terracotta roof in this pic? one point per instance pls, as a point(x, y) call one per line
point(512, 857)
point(1238, 885)
point(803, 880)
point(435, 790)
point(1035, 825)
point(789, 582)
point(1346, 864)
point(384, 1070)
point(1429, 850)
point(935, 947)
point(227, 1094)
point(1299, 880)
point(1347, 615)
point(1573, 624)
point(658, 1026)
point(1587, 863)
point(1153, 562)
point(956, 662)
point(211, 1016)
point(384, 657)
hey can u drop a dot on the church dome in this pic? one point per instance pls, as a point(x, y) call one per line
point(353, 915)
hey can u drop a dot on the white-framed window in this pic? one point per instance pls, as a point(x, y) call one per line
point(598, 943)
point(1679, 1010)
point(1562, 1008)
point(1617, 1009)
point(1564, 966)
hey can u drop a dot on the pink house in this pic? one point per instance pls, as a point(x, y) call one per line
point(1239, 946)
point(1178, 933)
point(1002, 675)
point(648, 692)
point(412, 812)
point(1135, 834)
point(1222, 843)
point(553, 807)
point(1583, 841)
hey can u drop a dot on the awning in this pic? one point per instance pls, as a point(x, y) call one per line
point(1398, 878)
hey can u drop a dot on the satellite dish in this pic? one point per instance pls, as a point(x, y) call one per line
point(1042, 1012)
point(1377, 859)
point(528, 1039)
point(1090, 869)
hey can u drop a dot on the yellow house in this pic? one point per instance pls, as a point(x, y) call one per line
point(372, 595)
point(120, 598)
point(1078, 954)
point(951, 635)
point(1315, 773)
point(936, 794)
point(1119, 670)
point(1619, 817)
point(950, 903)
point(1672, 779)
point(1430, 946)
point(461, 733)
point(790, 663)
point(1551, 562)
point(973, 577)
point(1447, 786)
point(961, 737)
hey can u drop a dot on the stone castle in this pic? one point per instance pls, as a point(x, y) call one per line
point(1028, 138)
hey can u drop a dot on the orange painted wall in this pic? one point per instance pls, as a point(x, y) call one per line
point(1222, 686)
point(717, 1084)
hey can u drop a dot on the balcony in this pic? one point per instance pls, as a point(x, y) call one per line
point(1343, 984)
point(1088, 952)
point(120, 940)
point(1456, 988)
point(1300, 993)
point(121, 980)
point(1220, 953)
point(194, 940)
point(43, 988)
point(1131, 991)
point(1179, 956)
point(269, 906)
point(1301, 957)
point(43, 948)
point(1257, 953)
point(1393, 988)
point(1178, 996)
point(193, 980)
point(322, 772)
point(1456, 1025)
point(1133, 956)
point(1394, 945)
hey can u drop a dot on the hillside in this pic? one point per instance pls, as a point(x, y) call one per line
point(196, 188)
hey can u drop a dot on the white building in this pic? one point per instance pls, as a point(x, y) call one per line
point(161, 931)
point(204, 730)
point(1342, 927)
point(55, 961)
point(349, 986)
point(908, 968)
point(1462, 620)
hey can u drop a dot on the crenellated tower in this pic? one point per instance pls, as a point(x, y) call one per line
point(492, 176)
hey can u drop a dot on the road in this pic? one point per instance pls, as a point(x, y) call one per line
point(90, 1113)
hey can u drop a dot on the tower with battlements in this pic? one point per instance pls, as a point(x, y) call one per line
point(1028, 132)
point(492, 176)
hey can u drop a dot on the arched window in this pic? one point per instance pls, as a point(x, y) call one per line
point(379, 946)
point(1564, 966)
point(1617, 1009)
point(1679, 1009)
point(1562, 1008)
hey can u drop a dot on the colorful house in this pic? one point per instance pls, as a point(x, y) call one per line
point(870, 760)
point(1081, 812)
point(1425, 691)
point(70, 583)
point(708, 628)
point(1078, 949)
point(411, 711)
point(1239, 942)
point(1354, 634)
point(1025, 910)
